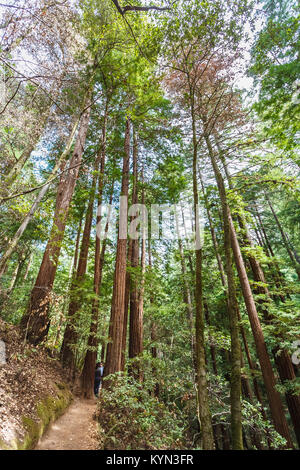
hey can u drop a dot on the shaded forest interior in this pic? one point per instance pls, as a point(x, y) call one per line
point(150, 212)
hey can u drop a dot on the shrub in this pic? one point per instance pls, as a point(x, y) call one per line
point(132, 418)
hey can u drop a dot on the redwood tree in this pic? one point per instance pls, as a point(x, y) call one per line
point(35, 323)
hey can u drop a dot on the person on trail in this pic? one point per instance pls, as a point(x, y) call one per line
point(98, 377)
point(101, 369)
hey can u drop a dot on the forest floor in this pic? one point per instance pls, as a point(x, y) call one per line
point(29, 376)
point(74, 430)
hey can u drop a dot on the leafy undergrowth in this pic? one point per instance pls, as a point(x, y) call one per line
point(30, 382)
point(132, 418)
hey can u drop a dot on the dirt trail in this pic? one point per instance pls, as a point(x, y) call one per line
point(74, 430)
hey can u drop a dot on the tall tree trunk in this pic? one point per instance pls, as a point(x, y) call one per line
point(136, 320)
point(235, 379)
point(276, 407)
point(114, 350)
point(129, 261)
point(221, 429)
point(275, 403)
point(224, 284)
point(35, 322)
point(143, 255)
point(153, 333)
point(27, 219)
point(187, 295)
point(202, 387)
point(213, 233)
point(282, 357)
point(243, 334)
point(126, 304)
point(70, 336)
point(87, 374)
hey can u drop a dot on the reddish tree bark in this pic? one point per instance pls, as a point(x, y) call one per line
point(204, 414)
point(35, 323)
point(153, 327)
point(126, 305)
point(275, 403)
point(282, 357)
point(235, 376)
point(276, 407)
point(70, 337)
point(87, 374)
point(114, 350)
point(136, 318)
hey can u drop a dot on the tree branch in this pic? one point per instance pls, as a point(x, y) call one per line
point(122, 11)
